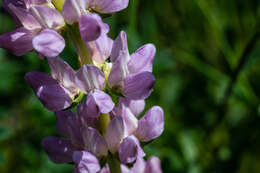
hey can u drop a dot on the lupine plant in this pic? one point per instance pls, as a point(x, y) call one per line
point(97, 106)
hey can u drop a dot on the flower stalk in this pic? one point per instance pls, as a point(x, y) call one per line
point(114, 164)
point(82, 49)
point(58, 4)
point(104, 120)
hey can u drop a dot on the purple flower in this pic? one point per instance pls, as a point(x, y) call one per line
point(131, 74)
point(58, 90)
point(119, 137)
point(135, 106)
point(80, 137)
point(149, 127)
point(115, 133)
point(97, 102)
point(38, 26)
point(130, 149)
point(73, 9)
point(92, 29)
point(151, 124)
point(100, 49)
point(55, 91)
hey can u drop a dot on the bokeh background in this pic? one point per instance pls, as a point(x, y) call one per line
point(207, 68)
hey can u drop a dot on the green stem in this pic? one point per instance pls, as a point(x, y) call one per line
point(82, 49)
point(104, 120)
point(114, 164)
point(58, 4)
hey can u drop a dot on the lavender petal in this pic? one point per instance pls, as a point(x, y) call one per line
point(90, 77)
point(139, 166)
point(153, 165)
point(100, 49)
point(115, 133)
point(136, 106)
point(73, 9)
point(47, 17)
point(49, 43)
point(142, 59)
point(85, 162)
point(89, 27)
point(138, 86)
point(62, 72)
point(119, 71)
point(25, 18)
point(120, 46)
point(151, 125)
point(108, 6)
point(94, 141)
point(128, 150)
point(131, 122)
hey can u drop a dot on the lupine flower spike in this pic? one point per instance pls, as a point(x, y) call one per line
point(106, 131)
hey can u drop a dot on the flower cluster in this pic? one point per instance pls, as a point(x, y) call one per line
point(104, 133)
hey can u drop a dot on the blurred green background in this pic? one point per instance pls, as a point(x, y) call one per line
point(207, 68)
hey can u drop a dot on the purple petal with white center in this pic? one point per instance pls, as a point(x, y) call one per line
point(47, 17)
point(115, 133)
point(100, 49)
point(139, 166)
point(136, 106)
point(89, 27)
point(49, 43)
point(108, 6)
point(19, 41)
point(61, 71)
point(58, 150)
point(54, 97)
point(73, 9)
point(151, 125)
point(38, 79)
point(26, 19)
point(94, 141)
point(85, 162)
point(138, 86)
point(128, 150)
point(120, 46)
point(131, 122)
point(153, 165)
point(119, 71)
point(90, 77)
point(142, 59)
